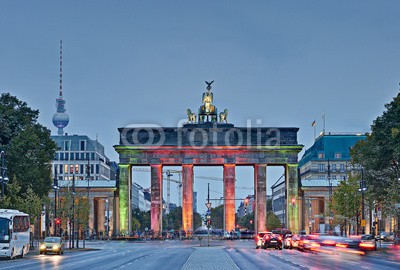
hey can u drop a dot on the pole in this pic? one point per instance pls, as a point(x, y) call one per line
point(73, 210)
point(3, 172)
point(330, 196)
point(208, 224)
point(362, 199)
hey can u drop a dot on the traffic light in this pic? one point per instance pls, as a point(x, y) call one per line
point(293, 201)
point(58, 221)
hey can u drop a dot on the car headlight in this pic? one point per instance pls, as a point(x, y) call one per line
point(56, 247)
point(42, 246)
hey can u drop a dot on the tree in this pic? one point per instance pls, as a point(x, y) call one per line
point(379, 155)
point(27, 144)
point(273, 221)
point(217, 217)
point(246, 221)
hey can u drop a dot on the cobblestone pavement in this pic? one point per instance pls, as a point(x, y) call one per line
point(209, 258)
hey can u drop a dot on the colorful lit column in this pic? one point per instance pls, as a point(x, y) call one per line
point(260, 192)
point(124, 196)
point(293, 202)
point(156, 199)
point(229, 196)
point(187, 196)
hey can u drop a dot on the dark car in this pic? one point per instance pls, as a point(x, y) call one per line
point(351, 244)
point(272, 241)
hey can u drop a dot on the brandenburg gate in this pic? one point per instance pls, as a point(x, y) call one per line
point(207, 139)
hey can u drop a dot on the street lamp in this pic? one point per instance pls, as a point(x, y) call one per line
point(55, 187)
point(108, 218)
point(362, 189)
point(3, 173)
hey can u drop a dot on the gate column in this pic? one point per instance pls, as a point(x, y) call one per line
point(187, 198)
point(260, 197)
point(125, 197)
point(229, 196)
point(156, 199)
point(294, 204)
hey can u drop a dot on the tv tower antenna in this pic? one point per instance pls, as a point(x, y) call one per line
point(60, 118)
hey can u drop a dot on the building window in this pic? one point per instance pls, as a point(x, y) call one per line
point(82, 156)
point(66, 168)
point(321, 167)
point(87, 156)
point(82, 145)
point(76, 156)
point(321, 177)
point(333, 177)
point(61, 169)
point(321, 155)
point(342, 167)
point(56, 156)
point(66, 156)
point(81, 169)
point(71, 156)
point(343, 177)
point(91, 169)
point(61, 156)
point(71, 169)
point(338, 155)
point(97, 168)
point(92, 156)
point(67, 145)
point(333, 167)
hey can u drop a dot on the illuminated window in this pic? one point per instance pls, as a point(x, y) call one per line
point(66, 168)
point(76, 168)
point(71, 169)
point(321, 155)
point(338, 155)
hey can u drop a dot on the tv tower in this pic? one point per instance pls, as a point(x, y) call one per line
point(60, 118)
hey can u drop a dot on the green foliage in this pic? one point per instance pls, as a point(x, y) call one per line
point(143, 219)
point(273, 221)
point(27, 202)
point(347, 198)
point(379, 155)
point(246, 221)
point(217, 217)
point(27, 144)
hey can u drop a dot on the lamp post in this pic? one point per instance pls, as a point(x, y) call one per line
point(108, 218)
point(55, 187)
point(88, 193)
point(362, 189)
point(3, 173)
point(73, 210)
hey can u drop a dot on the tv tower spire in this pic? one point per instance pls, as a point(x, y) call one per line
point(60, 118)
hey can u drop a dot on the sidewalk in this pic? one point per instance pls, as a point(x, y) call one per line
point(209, 258)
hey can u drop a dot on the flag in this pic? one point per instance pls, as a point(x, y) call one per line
point(313, 124)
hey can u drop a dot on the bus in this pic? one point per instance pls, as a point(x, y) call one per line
point(14, 233)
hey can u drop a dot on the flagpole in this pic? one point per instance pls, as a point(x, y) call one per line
point(323, 118)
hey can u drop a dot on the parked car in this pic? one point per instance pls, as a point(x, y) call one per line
point(272, 241)
point(259, 238)
point(52, 245)
point(368, 242)
point(287, 241)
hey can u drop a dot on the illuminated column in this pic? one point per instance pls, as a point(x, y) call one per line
point(260, 193)
point(187, 196)
point(125, 198)
point(156, 199)
point(293, 203)
point(101, 210)
point(229, 196)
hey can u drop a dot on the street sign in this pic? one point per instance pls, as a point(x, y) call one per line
point(363, 223)
point(208, 205)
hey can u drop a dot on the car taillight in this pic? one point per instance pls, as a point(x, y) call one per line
point(368, 245)
point(280, 238)
point(341, 245)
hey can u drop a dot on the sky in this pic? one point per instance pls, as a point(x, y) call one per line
point(283, 63)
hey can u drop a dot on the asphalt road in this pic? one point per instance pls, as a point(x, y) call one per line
point(176, 254)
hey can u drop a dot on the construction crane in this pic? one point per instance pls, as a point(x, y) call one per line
point(221, 179)
point(168, 174)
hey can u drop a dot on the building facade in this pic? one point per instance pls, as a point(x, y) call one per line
point(321, 169)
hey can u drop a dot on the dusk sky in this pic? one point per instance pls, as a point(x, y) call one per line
point(145, 62)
